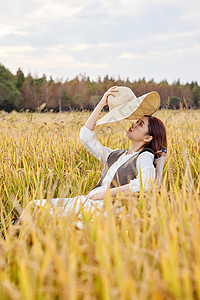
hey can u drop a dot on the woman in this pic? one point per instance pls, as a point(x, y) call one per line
point(121, 167)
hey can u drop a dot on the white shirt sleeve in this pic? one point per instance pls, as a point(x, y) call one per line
point(91, 143)
point(148, 173)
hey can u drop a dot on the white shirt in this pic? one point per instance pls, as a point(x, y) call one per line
point(143, 162)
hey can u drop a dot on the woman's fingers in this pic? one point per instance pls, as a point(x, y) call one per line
point(110, 92)
point(113, 88)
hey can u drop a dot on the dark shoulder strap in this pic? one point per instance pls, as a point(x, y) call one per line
point(146, 149)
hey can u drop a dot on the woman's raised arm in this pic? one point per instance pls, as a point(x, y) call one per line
point(91, 122)
point(88, 137)
point(91, 143)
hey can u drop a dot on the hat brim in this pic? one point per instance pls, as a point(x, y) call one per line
point(146, 104)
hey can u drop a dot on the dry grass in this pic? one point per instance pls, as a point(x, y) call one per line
point(148, 250)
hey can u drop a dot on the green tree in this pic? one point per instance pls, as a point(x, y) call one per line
point(10, 96)
point(78, 100)
point(196, 95)
point(5, 74)
point(175, 102)
point(64, 96)
point(19, 79)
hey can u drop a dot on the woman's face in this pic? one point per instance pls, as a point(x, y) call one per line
point(138, 130)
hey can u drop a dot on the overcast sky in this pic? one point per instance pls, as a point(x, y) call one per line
point(157, 39)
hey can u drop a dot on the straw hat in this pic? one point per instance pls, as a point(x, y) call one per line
point(125, 105)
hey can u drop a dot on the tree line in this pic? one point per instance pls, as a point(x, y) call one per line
point(19, 92)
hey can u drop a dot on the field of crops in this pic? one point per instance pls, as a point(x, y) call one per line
point(149, 249)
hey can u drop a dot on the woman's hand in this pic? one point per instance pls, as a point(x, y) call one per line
point(91, 122)
point(97, 196)
point(111, 91)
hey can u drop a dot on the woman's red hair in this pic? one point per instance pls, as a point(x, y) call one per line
point(157, 130)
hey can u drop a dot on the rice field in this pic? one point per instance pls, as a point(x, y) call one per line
point(149, 249)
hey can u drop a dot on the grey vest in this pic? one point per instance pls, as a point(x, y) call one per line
point(126, 172)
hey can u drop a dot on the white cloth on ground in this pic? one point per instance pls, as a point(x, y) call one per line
point(74, 204)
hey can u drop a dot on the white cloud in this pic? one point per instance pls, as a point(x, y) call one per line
point(6, 51)
point(155, 38)
point(10, 30)
point(129, 56)
point(53, 9)
point(80, 47)
point(177, 35)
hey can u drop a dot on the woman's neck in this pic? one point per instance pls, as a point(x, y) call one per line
point(135, 148)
